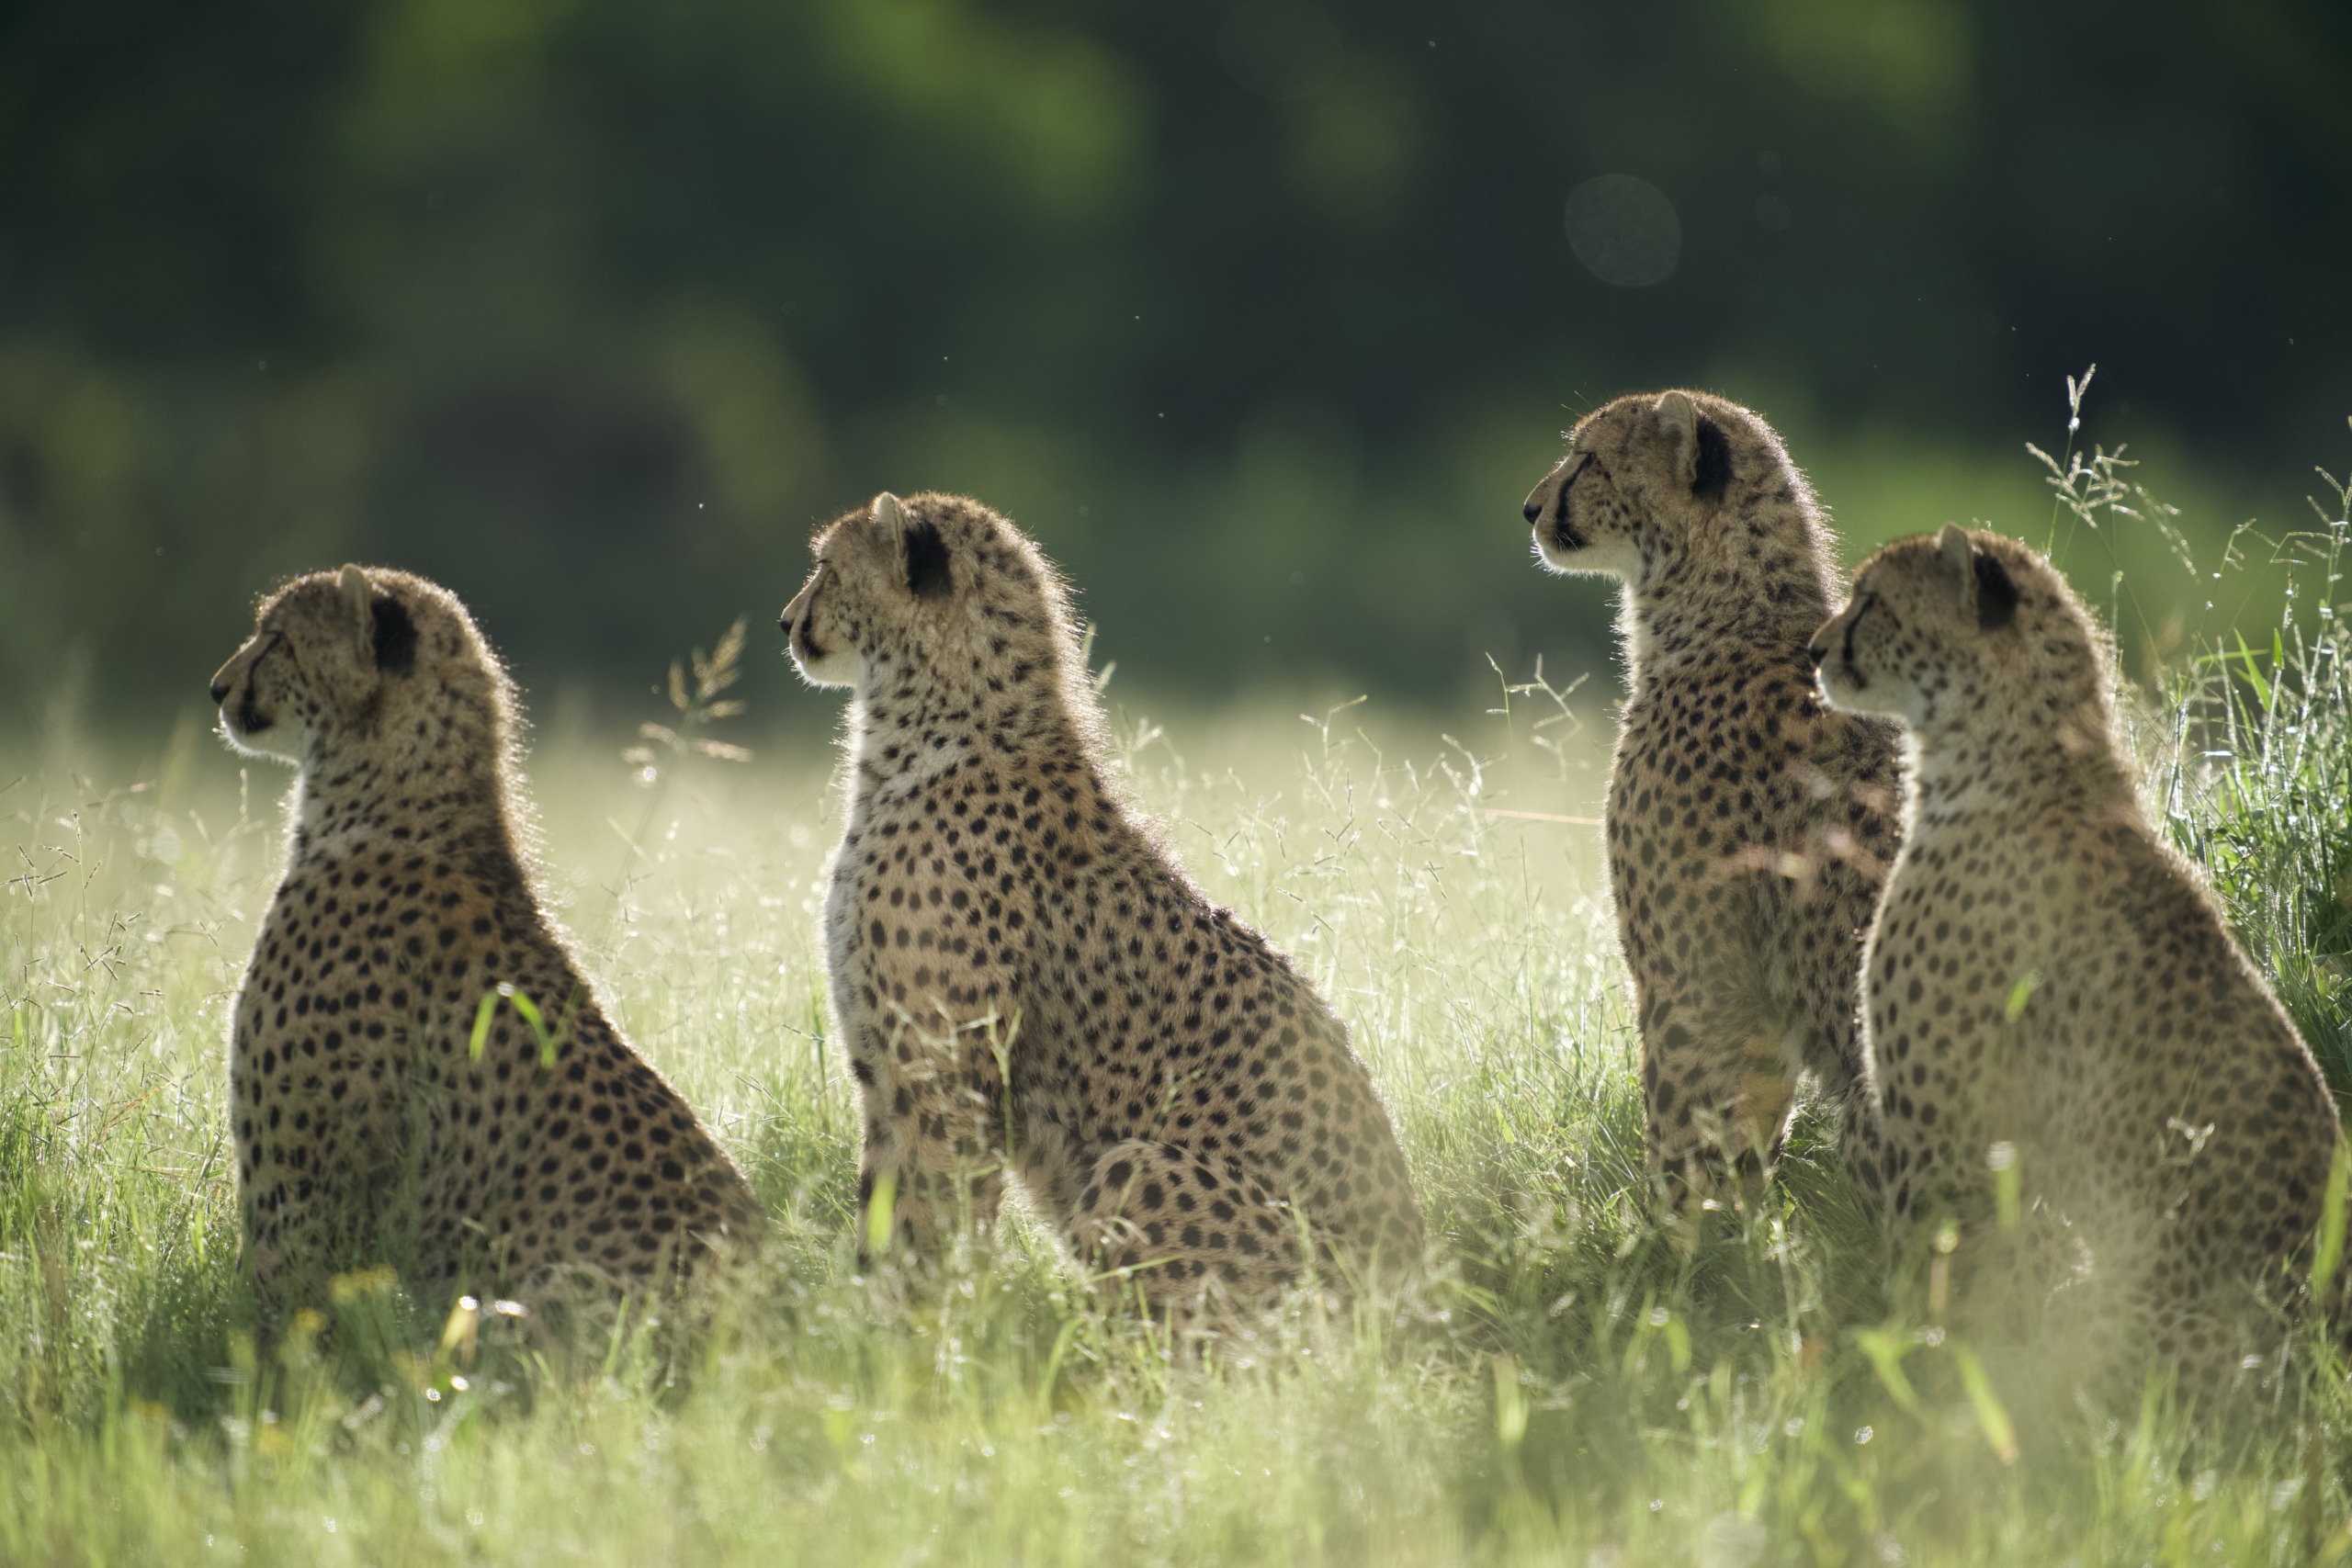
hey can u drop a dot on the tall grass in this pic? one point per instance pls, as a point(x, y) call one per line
point(1574, 1380)
point(2259, 791)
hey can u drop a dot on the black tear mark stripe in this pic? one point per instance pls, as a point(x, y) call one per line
point(1861, 608)
point(926, 559)
point(1562, 531)
point(1579, 463)
point(804, 631)
point(251, 720)
point(1712, 471)
point(1560, 497)
point(395, 641)
point(1996, 597)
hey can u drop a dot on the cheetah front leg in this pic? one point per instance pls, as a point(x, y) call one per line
point(933, 1157)
point(1717, 1089)
point(283, 1246)
point(1181, 1228)
point(1718, 1081)
point(907, 1205)
point(1862, 1139)
point(309, 1214)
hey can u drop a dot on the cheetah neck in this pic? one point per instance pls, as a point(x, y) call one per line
point(909, 727)
point(1752, 575)
point(1684, 611)
point(2021, 773)
point(435, 787)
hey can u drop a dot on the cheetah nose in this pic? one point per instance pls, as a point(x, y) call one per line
point(220, 690)
point(1532, 511)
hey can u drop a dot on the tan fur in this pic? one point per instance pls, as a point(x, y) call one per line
point(361, 1122)
point(2047, 977)
point(1747, 826)
point(1026, 981)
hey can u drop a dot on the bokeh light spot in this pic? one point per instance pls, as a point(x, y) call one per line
point(1624, 231)
point(1278, 49)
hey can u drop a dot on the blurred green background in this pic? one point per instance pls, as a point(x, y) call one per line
point(1262, 316)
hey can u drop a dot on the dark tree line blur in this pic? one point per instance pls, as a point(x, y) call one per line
point(1262, 315)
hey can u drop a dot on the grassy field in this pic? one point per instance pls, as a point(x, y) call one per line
point(1574, 1381)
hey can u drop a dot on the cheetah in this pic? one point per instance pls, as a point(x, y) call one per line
point(373, 1112)
point(1026, 983)
point(1747, 826)
point(2050, 999)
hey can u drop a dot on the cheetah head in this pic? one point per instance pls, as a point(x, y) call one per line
point(934, 582)
point(1963, 629)
point(1644, 476)
point(337, 653)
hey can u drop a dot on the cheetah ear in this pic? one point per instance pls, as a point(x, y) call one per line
point(1959, 561)
point(1997, 595)
point(917, 542)
point(1985, 587)
point(1698, 452)
point(1677, 422)
point(352, 583)
point(1954, 546)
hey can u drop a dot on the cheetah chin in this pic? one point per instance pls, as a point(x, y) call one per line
point(238, 692)
point(830, 663)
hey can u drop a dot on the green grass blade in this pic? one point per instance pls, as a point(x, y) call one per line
point(531, 1015)
point(1992, 1418)
point(479, 1037)
point(2329, 1257)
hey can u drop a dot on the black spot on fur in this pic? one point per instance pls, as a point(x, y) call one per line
point(395, 635)
point(926, 559)
point(1996, 597)
point(1711, 471)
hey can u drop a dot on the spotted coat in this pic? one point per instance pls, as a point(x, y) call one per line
point(1748, 827)
point(2050, 989)
point(1024, 979)
point(367, 1128)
